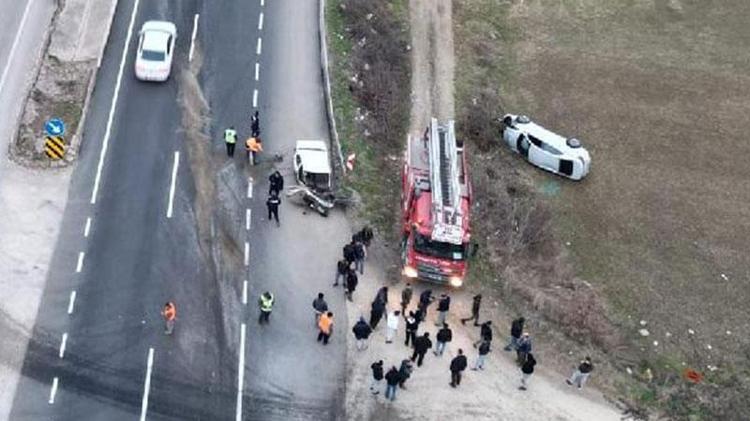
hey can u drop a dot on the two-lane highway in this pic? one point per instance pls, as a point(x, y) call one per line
point(130, 238)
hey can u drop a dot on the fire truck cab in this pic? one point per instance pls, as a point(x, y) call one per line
point(435, 205)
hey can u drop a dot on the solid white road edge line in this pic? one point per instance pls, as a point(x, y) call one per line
point(170, 206)
point(79, 265)
point(247, 253)
point(248, 214)
point(63, 343)
point(259, 47)
point(192, 38)
point(257, 71)
point(260, 22)
point(255, 98)
point(147, 383)
point(241, 372)
point(87, 227)
point(13, 47)
point(244, 292)
point(53, 391)
point(71, 302)
point(113, 106)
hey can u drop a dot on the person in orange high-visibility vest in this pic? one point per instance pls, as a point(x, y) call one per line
point(253, 147)
point(170, 314)
point(325, 325)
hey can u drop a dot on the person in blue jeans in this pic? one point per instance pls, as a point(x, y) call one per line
point(392, 378)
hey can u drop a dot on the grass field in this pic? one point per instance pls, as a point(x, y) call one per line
point(659, 92)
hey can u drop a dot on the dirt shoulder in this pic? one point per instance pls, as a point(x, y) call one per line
point(484, 395)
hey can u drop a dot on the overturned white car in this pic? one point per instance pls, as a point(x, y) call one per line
point(545, 149)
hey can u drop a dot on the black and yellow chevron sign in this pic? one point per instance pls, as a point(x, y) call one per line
point(54, 147)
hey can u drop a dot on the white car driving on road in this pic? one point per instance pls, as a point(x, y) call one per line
point(155, 48)
point(545, 149)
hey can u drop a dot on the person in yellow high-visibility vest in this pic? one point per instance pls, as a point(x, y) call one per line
point(253, 147)
point(230, 138)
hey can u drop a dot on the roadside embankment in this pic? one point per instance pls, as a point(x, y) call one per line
point(65, 81)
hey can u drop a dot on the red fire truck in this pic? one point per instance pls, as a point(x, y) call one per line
point(435, 205)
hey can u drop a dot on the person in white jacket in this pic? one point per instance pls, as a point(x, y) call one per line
point(391, 325)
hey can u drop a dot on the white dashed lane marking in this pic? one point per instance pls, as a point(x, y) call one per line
point(241, 373)
point(87, 228)
point(147, 383)
point(53, 391)
point(257, 71)
point(192, 38)
point(175, 166)
point(71, 302)
point(259, 46)
point(63, 343)
point(260, 22)
point(79, 264)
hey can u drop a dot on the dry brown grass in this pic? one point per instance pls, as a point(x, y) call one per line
point(658, 92)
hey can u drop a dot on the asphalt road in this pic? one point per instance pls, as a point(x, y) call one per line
point(132, 258)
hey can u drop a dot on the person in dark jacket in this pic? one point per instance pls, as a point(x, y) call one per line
point(342, 269)
point(527, 369)
point(458, 365)
point(255, 124)
point(516, 328)
point(319, 306)
point(581, 374)
point(484, 349)
point(421, 345)
point(272, 204)
point(349, 254)
point(351, 283)
point(444, 305)
point(523, 348)
point(376, 313)
point(425, 298)
point(405, 372)
point(377, 377)
point(360, 254)
point(275, 183)
point(412, 324)
point(485, 333)
point(444, 336)
point(392, 378)
point(406, 295)
point(361, 332)
point(366, 235)
point(475, 304)
point(382, 295)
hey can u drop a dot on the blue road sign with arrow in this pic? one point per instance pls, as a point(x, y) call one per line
point(54, 127)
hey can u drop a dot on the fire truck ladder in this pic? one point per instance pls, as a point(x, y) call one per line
point(444, 179)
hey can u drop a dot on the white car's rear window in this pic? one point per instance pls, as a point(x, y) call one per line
point(150, 55)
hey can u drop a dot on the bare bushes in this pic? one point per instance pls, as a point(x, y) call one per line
point(377, 75)
point(380, 68)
